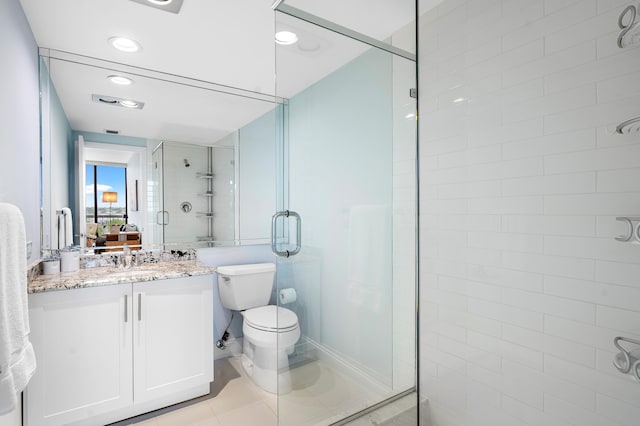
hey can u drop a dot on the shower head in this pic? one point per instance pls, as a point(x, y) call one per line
point(629, 126)
point(186, 163)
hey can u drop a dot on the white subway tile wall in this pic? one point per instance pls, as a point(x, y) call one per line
point(523, 286)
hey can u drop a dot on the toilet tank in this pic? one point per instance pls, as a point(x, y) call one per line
point(244, 287)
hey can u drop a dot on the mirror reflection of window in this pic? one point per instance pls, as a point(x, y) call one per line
point(106, 195)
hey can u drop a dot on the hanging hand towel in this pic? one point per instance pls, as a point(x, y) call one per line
point(65, 228)
point(17, 360)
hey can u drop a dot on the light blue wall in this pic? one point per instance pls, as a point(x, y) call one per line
point(340, 146)
point(340, 140)
point(257, 176)
point(19, 129)
point(60, 150)
point(61, 133)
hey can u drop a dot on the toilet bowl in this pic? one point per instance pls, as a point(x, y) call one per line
point(270, 332)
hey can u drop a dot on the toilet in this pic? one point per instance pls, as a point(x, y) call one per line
point(270, 332)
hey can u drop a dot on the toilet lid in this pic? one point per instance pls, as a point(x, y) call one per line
point(271, 318)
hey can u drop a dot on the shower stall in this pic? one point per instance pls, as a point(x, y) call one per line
point(345, 232)
point(192, 194)
point(529, 212)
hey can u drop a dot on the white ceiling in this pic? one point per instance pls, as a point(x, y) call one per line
point(225, 42)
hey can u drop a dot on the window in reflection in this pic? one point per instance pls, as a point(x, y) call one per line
point(106, 195)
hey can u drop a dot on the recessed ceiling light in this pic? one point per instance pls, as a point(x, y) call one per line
point(124, 44)
point(129, 104)
point(120, 80)
point(160, 2)
point(286, 37)
point(455, 101)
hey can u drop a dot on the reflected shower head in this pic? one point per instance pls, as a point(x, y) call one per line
point(629, 126)
point(186, 163)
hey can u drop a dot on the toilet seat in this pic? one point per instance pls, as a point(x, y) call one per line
point(271, 318)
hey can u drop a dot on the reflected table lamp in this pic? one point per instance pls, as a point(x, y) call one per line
point(109, 197)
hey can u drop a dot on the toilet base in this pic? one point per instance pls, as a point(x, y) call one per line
point(267, 367)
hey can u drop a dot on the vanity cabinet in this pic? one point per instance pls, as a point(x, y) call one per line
point(83, 345)
point(172, 337)
point(108, 353)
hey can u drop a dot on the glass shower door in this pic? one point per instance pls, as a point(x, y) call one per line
point(346, 232)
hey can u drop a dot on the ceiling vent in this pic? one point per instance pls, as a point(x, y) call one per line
point(111, 132)
point(172, 6)
point(119, 102)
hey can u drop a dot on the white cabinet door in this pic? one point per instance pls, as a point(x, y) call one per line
point(172, 336)
point(83, 343)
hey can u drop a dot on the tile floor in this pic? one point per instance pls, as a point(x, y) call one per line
point(320, 396)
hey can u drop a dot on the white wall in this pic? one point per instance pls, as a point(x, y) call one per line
point(522, 176)
point(19, 132)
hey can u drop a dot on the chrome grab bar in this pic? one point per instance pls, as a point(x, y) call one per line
point(274, 248)
point(625, 361)
point(629, 231)
point(632, 11)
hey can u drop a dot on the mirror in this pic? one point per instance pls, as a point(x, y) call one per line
point(161, 160)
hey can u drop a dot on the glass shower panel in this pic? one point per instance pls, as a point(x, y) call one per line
point(155, 198)
point(349, 143)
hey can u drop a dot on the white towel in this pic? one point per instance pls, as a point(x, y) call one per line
point(65, 228)
point(369, 255)
point(17, 360)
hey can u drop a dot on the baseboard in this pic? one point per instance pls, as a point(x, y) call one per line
point(343, 365)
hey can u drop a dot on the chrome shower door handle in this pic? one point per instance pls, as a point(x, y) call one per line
point(274, 248)
point(298, 233)
point(165, 217)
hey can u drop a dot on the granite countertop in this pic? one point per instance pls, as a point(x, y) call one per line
point(110, 275)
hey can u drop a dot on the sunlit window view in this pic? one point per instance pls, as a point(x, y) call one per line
point(106, 195)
